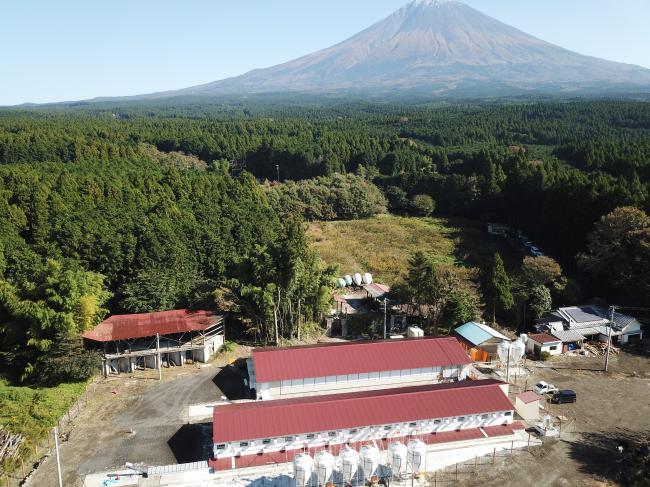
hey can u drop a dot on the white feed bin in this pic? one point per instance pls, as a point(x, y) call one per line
point(357, 279)
point(324, 463)
point(367, 278)
point(303, 469)
point(349, 463)
point(397, 453)
point(369, 455)
point(348, 280)
point(417, 456)
point(503, 349)
point(341, 282)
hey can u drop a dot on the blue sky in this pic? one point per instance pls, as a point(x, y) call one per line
point(78, 49)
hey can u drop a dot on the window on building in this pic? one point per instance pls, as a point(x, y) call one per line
point(363, 376)
point(221, 447)
point(436, 421)
point(266, 442)
point(288, 438)
point(353, 431)
point(331, 434)
point(484, 416)
point(508, 413)
point(413, 425)
point(311, 436)
point(554, 347)
point(386, 428)
point(243, 444)
point(309, 381)
point(461, 418)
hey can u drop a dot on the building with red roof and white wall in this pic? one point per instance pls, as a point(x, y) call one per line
point(283, 372)
point(151, 340)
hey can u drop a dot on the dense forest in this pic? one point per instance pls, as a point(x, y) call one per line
point(142, 207)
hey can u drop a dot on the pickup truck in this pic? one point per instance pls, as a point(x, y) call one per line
point(544, 388)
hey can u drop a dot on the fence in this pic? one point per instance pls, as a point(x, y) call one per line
point(30, 459)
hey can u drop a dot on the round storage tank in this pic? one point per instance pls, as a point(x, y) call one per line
point(348, 280)
point(367, 278)
point(324, 464)
point(517, 350)
point(358, 279)
point(349, 463)
point(341, 282)
point(369, 455)
point(502, 351)
point(417, 456)
point(303, 468)
point(397, 453)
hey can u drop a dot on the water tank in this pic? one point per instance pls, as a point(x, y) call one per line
point(340, 282)
point(367, 278)
point(358, 279)
point(303, 468)
point(397, 453)
point(369, 455)
point(324, 465)
point(502, 351)
point(348, 280)
point(414, 332)
point(524, 338)
point(349, 463)
point(417, 456)
point(517, 350)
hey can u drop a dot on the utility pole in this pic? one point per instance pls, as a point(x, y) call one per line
point(277, 170)
point(385, 300)
point(609, 335)
point(58, 460)
point(158, 357)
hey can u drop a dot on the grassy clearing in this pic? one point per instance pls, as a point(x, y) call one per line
point(33, 411)
point(382, 245)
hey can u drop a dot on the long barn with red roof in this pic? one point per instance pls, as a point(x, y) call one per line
point(354, 366)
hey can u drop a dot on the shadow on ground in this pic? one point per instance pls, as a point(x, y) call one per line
point(192, 443)
point(621, 456)
point(230, 381)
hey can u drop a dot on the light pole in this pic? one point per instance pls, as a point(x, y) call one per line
point(609, 335)
point(385, 301)
point(277, 170)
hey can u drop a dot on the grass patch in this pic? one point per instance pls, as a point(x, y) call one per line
point(382, 245)
point(32, 411)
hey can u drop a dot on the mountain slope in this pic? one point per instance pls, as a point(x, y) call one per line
point(433, 45)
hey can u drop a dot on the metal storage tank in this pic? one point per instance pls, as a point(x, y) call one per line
point(348, 280)
point(397, 453)
point(358, 279)
point(324, 465)
point(417, 456)
point(349, 463)
point(369, 455)
point(367, 278)
point(303, 468)
point(341, 282)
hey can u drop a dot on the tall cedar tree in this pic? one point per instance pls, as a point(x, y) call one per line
point(498, 290)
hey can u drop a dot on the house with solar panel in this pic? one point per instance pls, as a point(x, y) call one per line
point(455, 414)
point(283, 372)
point(592, 323)
point(155, 340)
point(480, 341)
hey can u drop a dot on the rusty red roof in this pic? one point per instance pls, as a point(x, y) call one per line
point(277, 418)
point(543, 338)
point(123, 327)
point(276, 364)
point(528, 397)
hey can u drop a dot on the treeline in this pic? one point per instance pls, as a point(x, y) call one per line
point(135, 235)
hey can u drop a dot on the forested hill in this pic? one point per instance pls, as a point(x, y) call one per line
point(141, 207)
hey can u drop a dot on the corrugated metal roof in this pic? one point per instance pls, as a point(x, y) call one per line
point(543, 338)
point(276, 364)
point(123, 327)
point(477, 333)
point(376, 290)
point(567, 335)
point(528, 397)
point(272, 419)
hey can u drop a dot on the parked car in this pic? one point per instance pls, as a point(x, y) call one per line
point(545, 388)
point(564, 396)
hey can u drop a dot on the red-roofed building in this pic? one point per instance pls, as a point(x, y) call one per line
point(149, 340)
point(539, 343)
point(362, 365)
point(424, 412)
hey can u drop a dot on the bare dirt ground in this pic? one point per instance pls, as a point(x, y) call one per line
point(141, 420)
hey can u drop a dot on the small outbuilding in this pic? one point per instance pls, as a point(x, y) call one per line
point(479, 340)
point(527, 405)
point(539, 343)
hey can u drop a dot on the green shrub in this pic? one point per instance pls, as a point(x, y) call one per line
point(544, 356)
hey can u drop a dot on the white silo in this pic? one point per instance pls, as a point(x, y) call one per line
point(303, 469)
point(348, 279)
point(367, 278)
point(324, 465)
point(341, 282)
point(517, 350)
point(397, 453)
point(417, 456)
point(369, 455)
point(349, 463)
point(358, 279)
point(503, 349)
